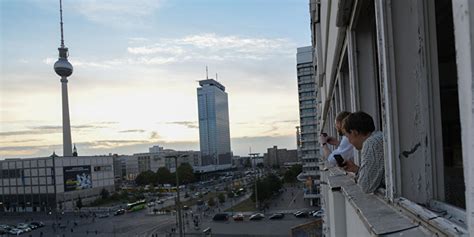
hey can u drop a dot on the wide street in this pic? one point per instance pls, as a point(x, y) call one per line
point(144, 224)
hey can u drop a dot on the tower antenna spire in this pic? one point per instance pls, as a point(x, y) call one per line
point(216, 77)
point(61, 22)
point(207, 73)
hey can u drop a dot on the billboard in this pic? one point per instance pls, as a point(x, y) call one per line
point(77, 178)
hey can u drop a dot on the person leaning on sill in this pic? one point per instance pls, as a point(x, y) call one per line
point(344, 148)
point(359, 129)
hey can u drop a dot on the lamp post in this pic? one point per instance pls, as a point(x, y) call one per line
point(177, 202)
point(253, 157)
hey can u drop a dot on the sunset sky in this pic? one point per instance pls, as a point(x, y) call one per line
point(136, 67)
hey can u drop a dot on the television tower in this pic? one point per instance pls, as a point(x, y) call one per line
point(64, 69)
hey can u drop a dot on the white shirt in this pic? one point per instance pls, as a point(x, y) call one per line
point(345, 149)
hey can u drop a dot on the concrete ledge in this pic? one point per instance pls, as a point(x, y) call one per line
point(378, 216)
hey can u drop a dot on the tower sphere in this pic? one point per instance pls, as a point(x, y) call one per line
point(63, 68)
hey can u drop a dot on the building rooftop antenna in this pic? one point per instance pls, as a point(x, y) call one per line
point(207, 73)
point(216, 77)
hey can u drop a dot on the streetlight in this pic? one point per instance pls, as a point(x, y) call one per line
point(253, 157)
point(177, 203)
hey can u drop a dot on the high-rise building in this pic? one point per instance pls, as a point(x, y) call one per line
point(214, 134)
point(308, 123)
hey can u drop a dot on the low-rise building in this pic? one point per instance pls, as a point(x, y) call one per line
point(278, 157)
point(53, 183)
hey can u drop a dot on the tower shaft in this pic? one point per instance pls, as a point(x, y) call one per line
point(67, 142)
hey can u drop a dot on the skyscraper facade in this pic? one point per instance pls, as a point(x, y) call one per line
point(214, 134)
point(308, 123)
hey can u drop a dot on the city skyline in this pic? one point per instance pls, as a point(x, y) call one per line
point(131, 56)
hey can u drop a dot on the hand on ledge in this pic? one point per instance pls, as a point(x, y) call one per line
point(350, 166)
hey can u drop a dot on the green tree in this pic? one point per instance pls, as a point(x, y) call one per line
point(79, 203)
point(185, 173)
point(104, 193)
point(144, 178)
point(164, 176)
point(221, 197)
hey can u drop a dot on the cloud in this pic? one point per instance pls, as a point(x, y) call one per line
point(48, 129)
point(210, 46)
point(113, 143)
point(118, 13)
point(22, 141)
point(155, 135)
point(188, 124)
point(132, 131)
point(197, 48)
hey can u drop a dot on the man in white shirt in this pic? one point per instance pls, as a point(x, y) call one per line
point(344, 148)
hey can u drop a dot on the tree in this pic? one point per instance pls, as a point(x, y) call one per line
point(185, 173)
point(144, 178)
point(164, 176)
point(104, 193)
point(247, 164)
point(221, 197)
point(290, 174)
point(79, 203)
point(211, 202)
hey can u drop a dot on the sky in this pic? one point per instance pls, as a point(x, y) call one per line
point(136, 66)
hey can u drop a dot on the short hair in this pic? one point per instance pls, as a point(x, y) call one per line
point(360, 122)
point(342, 115)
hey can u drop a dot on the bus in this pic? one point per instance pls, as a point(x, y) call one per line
point(136, 206)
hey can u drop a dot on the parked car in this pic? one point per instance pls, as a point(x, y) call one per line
point(16, 231)
point(159, 201)
point(38, 224)
point(119, 212)
point(238, 217)
point(103, 215)
point(301, 214)
point(319, 213)
point(185, 207)
point(220, 217)
point(277, 216)
point(256, 216)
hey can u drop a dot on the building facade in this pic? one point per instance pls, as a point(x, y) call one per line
point(276, 158)
point(214, 133)
point(53, 183)
point(409, 65)
point(308, 101)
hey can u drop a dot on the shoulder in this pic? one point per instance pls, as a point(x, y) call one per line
point(375, 139)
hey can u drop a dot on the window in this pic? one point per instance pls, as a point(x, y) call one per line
point(454, 187)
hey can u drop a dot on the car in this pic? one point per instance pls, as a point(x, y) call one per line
point(200, 202)
point(119, 212)
point(103, 215)
point(238, 217)
point(319, 213)
point(256, 217)
point(185, 207)
point(150, 204)
point(220, 217)
point(159, 202)
point(38, 224)
point(301, 214)
point(16, 231)
point(277, 216)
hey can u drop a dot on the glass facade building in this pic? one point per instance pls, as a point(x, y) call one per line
point(214, 134)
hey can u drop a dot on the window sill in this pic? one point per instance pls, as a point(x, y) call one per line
point(383, 218)
point(430, 219)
